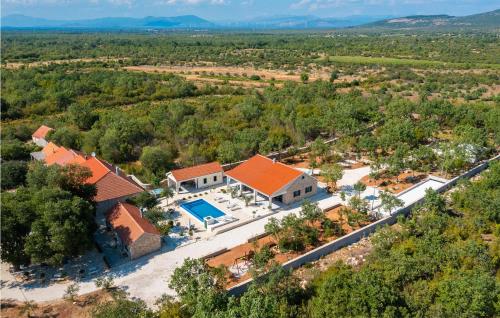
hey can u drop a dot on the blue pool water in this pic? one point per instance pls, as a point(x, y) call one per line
point(157, 192)
point(201, 209)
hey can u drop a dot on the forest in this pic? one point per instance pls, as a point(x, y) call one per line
point(151, 102)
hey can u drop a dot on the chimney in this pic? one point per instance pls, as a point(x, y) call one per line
point(93, 154)
point(274, 160)
point(117, 170)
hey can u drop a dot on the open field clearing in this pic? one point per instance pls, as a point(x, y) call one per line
point(389, 61)
point(235, 74)
point(16, 65)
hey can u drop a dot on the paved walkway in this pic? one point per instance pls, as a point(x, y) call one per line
point(147, 278)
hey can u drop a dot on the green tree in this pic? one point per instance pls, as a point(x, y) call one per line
point(228, 152)
point(122, 307)
point(82, 115)
point(332, 174)
point(158, 159)
point(311, 212)
point(333, 76)
point(389, 202)
point(200, 288)
point(105, 282)
point(16, 219)
point(15, 150)
point(273, 227)
point(13, 174)
point(144, 200)
point(465, 294)
point(304, 77)
point(66, 136)
point(359, 187)
point(64, 226)
point(167, 193)
point(71, 292)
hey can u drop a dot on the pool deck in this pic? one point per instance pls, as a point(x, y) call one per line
point(154, 271)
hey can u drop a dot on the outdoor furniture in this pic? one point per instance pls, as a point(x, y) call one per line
point(232, 205)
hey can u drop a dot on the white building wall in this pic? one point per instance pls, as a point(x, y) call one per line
point(200, 182)
point(39, 141)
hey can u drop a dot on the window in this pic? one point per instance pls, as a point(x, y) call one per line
point(215, 178)
point(296, 193)
point(204, 180)
point(309, 189)
point(303, 177)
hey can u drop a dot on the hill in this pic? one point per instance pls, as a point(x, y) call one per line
point(299, 22)
point(179, 22)
point(489, 20)
point(482, 20)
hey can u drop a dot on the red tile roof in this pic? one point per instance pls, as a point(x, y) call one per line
point(127, 221)
point(42, 132)
point(110, 182)
point(263, 174)
point(197, 171)
point(112, 186)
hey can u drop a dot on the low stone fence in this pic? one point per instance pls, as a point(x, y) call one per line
point(357, 235)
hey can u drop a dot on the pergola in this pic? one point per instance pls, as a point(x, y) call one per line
point(263, 176)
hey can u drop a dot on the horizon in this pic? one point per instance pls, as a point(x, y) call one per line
point(233, 11)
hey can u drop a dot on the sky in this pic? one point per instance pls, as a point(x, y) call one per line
point(234, 10)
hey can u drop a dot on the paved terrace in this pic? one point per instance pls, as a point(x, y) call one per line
point(147, 277)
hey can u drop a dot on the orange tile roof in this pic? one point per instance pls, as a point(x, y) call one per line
point(196, 171)
point(263, 174)
point(109, 184)
point(127, 221)
point(63, 156)
point(98, 168)
point(42, 132)
point(50, 149)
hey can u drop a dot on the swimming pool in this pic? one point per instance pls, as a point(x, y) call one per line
point(201, 209)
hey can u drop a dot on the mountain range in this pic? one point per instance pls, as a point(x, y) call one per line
point(486, 19)
point(483, 20)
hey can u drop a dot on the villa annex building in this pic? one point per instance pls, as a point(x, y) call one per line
point(136, 235)
point(275, 180)
point(201, 176)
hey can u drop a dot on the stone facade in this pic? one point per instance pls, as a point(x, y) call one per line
point(145, 244)
point(211, 179)
point(300, 184)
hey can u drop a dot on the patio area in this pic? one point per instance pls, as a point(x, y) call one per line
point(236, 210)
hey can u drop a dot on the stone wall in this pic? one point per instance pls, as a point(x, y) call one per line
point(146, 244)
point(357, 235)
point(300, 184)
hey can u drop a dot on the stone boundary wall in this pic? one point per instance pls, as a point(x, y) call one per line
point(357, 235)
